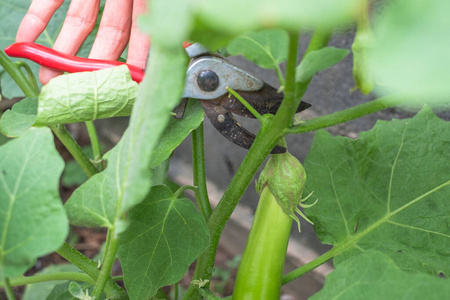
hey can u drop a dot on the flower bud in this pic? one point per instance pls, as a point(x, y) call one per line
point(286, 178)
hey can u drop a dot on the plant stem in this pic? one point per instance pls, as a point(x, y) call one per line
point(112, 290)
point(31, 78)
point(263, 144)
point(198, 161)
point(96, 149)
point(247, 105)
point(73, 276)
point(8, 289)
point(346, 114)
point(72, 146)
point(314, 263)
point(266, 139)
point(107, 263)
point(17, 75)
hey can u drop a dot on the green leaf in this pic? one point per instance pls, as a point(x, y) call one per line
point(63, 291)
point(410, 55)
point(105, 197)
point(176, 132)
point(372, 275)
point(235, 17)
point(39, 291)
point(19, 118)
point(87, 96)
point(164, 237)
point(387, 190)
point(266, 48)
point(32, 218)
point(319, 60)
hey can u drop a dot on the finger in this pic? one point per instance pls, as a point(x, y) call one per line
point(80, 20)
point(114, 30)
point(33, 24)
point(139, 42)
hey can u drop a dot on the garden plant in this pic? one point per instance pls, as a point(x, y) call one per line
point(381, 200)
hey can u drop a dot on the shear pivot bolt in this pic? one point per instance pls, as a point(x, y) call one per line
point(221, 118)
point(208, 81)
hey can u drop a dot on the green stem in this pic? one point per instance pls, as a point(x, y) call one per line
point(96, 149)
point(8, 289)
point(107, 263)
point(31, 78)
point(263, 144)
point(112, 290)
point(72, 146)
point(247, 105)
point(313, 264)
point(181, 190)
point(73, 276)
point(17, 75)
point(198, 161)
point(346, 114)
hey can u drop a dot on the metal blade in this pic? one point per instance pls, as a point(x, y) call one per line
point(229, 127)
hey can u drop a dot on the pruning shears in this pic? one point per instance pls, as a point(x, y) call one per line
point(207, 78)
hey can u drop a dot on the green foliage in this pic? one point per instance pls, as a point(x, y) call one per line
point(105, 197)
point(19, 118)
point(410, 55)
point(41, 290)
point(267, 48)
point(166, 234)
point(319, 60)
point(32, 217)
point(373, 275)
point(387, 191)
point(87, 96)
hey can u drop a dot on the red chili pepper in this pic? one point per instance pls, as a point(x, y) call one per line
point(50, 58)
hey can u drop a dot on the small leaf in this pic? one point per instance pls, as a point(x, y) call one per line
point(19, 118)
point(319, 60)
point(372, 275)
point(387, 190)
point(266, 48)
point(75, 290)
point(63, 291)
point(87, 96)
point(410, 54)
point(32, 217)
point(165, 236)
point(176, 132)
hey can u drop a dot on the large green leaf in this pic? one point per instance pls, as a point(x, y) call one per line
point(411, 50)
point(267, 48)
point(32, 218)
point(87, 96)
point(389, 190)
point(373, 275)
point(17, 120)
point(164, 237)
point(236, 16)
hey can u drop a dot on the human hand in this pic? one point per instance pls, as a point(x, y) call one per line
point(118, 27)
